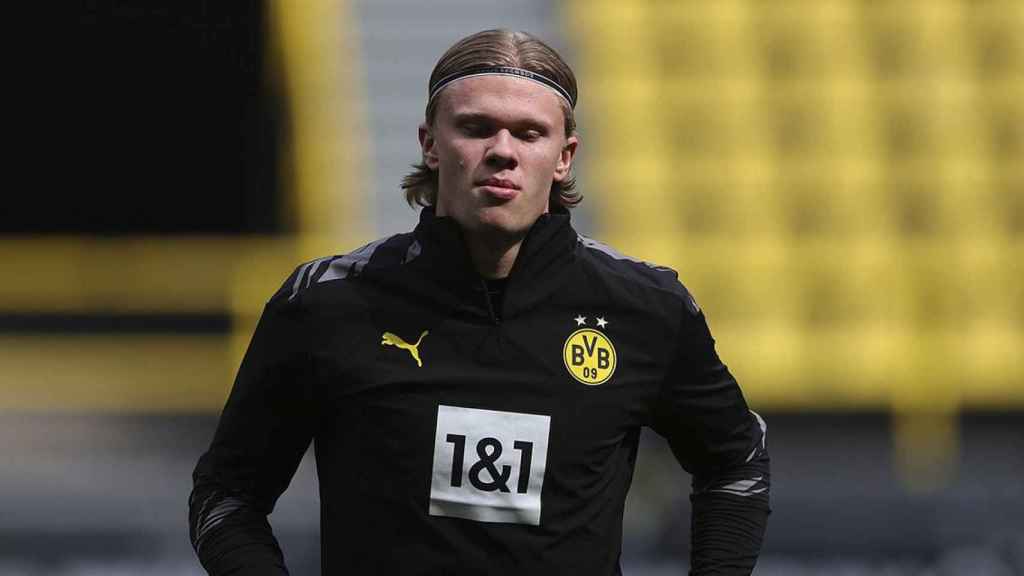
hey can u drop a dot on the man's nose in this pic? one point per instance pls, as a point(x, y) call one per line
point(502, 150)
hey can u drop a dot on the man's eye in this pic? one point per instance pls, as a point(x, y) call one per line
point(474, 129)
point(530, 135)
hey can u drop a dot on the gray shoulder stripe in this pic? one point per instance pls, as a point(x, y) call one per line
point(298, 279)
point(341, 267)
point(351, 264)
point(413, 252)
point(305, 275)
point(608, 250)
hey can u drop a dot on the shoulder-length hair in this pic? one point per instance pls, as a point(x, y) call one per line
point(497, 48)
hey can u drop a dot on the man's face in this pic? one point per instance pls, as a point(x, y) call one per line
point(497, 143)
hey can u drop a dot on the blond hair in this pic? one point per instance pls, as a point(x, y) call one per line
point(497, 48)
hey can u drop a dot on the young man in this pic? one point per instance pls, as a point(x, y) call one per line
point(475, 389)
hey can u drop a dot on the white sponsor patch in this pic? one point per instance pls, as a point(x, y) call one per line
point(489, 465)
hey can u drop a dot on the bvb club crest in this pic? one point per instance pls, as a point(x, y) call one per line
point(589, 355)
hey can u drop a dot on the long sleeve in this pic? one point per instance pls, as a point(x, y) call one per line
point(264, 430)
point(714, 436)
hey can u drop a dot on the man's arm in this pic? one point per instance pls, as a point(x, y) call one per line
point(730, 513)
point(263, 432)
point(721, 442)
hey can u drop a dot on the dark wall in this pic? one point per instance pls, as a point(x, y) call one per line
point(153, 117)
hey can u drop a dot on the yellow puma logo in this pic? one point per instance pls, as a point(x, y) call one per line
point(390, 339)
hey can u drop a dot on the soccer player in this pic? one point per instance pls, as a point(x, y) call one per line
point(475, 389)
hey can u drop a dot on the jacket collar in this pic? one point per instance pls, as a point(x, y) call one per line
point(539, 270)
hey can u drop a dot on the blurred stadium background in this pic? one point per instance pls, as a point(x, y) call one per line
point(840, 183)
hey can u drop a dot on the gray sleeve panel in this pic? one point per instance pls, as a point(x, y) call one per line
point(229, 535)
point(754, 471)
point(215, 508)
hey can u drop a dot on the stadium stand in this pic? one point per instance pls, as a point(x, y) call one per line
point(838, 182)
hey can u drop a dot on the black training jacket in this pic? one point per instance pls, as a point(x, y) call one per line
point(457, 435)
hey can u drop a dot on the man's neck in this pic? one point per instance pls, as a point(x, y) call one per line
point(492, 256)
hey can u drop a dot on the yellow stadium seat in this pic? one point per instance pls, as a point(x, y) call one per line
point(839, 183)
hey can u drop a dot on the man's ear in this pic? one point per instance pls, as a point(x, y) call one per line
point(564, 166)
point(427, 144)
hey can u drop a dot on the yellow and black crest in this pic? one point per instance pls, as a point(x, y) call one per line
point(589, 355)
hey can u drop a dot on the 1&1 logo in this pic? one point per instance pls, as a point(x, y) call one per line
point(589, 356)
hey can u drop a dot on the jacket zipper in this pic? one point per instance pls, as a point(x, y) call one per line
point(490, 305)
